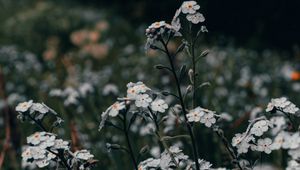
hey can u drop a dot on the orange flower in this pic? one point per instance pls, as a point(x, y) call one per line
point(295, 75)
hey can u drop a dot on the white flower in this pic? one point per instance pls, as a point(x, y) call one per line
point(61, 144)
point(282, 104)
point(237, 139)
point(291, 141)
point(27, 154)
point(47, 142)
point(36, 138)
point(142, 100)
point(149, 163)
point(264, 145)
point(294, 153)
point(23, 107)
point(83, 155)
point(195, 18)
point(293, 165)
point(38, 153)
point(204, 165)
point(42, 163)
point(114, 109)
point(159, 105)
point(189, 7)
point(259, 127)
point(195, 115)
point(39, 108)
point(208, 119)
point(134, 89)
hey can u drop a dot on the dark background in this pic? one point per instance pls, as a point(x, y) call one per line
point(257, 23)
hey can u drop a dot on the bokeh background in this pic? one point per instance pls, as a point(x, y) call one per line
point(91, 49)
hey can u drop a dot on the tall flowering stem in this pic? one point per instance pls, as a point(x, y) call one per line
point(180, 96)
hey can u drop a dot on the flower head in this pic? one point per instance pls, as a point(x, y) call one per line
point(159, 105)
point(23, 107)
point(189, 7)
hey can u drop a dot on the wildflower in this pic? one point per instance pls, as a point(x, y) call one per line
point(39, 108)
point(195, 114)
point(142, 100)
point(282, 104)
point(195, 18)
point(115, 108)
point(208, 119)
point(61, 144)
point(159, 105)
point(260, 127)
point(83, 155)
point(237, 139)
point(134, 89)
point(264, 145)
point(189, 7)
point(278, 122)
point(36, 138)
point(23, 107)
point(293, 165)
point(291, 141)
point(294, 153)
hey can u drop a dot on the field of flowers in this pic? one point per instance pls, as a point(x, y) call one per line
point(81, 89)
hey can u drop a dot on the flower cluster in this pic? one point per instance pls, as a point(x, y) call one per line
point(190, 9)
point(205, 116)
point(282, 104)
point(43, 147)
point(141, 96)
point(157, 30)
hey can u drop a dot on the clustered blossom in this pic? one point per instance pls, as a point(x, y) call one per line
point(156, 31)
point(166, 160)
point(205, 116)
point(140, 96)
point(190, 9)
point(40, 110)
point(282, 104)
point(42, 148)
point(260, 127)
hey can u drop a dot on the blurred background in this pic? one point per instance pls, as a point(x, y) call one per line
point(90, 49)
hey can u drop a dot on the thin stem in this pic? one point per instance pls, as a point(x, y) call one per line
point(229, 147)
point(37, 122)
point(128, 142)
point(195, 153)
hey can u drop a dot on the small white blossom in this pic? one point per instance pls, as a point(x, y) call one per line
point(282, 104)
point(85, 88)
point(39, 108)
point(83, 155)
point(293, 165)
point(142, 100)
point(114, 109)
point(294, 153)
point(61, 144)
point(208, 119)
point(264, 145)
point(189, 7)
point(36, 138)
point(159, 105)
point(23, 107)
point(259, 127)
point(195, 114)
point(195, 18)
point(291, 141)
point(278, 141)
